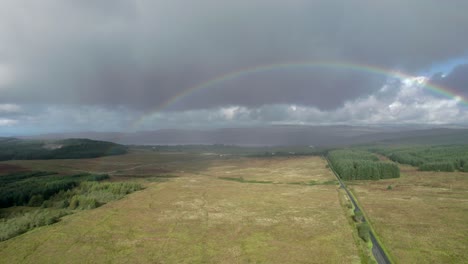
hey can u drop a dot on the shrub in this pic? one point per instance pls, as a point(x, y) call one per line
point(83, 202)
point(64, 204)
point(74, 203)
point(36, 200)
point(364, 231)
point(358, 216)
point(17, 225)
point(88, 203)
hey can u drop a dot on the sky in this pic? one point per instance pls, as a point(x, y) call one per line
point(117, 65)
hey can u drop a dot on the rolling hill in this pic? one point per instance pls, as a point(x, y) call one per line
point(27, 149)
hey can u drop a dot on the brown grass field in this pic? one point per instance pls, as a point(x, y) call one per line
point(8, 168)
point(198, 217)
point(423, 218)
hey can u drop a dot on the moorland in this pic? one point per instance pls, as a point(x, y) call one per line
point(212, 204)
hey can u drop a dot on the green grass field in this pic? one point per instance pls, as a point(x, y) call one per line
point(190, 213)
point(422, 217)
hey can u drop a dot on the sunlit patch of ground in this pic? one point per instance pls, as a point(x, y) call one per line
point(200, 218)
point(277, 170)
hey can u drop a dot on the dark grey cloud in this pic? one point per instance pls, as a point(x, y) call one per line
point(456, 80)
point(325, 89)
point(139, 54)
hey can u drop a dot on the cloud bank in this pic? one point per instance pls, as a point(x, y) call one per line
point(401, 103)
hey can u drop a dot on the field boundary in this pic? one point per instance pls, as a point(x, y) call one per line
point(380, 253)
point(375, 238)
point(364, 248)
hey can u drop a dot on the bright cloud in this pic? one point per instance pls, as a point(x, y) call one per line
point(7, 122)
point(9, 108)
point(405, 102)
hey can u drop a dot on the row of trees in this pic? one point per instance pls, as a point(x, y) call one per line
point(429, 158)
point(437, 166)
point(361, 165)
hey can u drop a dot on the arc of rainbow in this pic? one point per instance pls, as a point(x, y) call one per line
point(358, 67)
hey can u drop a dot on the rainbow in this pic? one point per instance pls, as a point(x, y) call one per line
point(358, 67)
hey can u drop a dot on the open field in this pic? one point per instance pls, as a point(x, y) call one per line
point(8, 168)
point(285, 210)
point(423, 218)
point(137, 163)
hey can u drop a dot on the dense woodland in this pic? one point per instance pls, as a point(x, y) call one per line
point(33, 188)
point(36, 198)
point(17, 149)
point(361, 165)
point(429, 158)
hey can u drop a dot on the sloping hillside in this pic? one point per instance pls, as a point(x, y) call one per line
point(17, 149)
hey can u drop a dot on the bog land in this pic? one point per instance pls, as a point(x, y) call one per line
point(198, 208)
point(207, 205)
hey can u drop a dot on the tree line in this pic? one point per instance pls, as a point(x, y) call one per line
point(361, 165)
point(429, 158)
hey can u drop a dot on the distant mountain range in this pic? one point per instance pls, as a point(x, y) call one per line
point(280, 136)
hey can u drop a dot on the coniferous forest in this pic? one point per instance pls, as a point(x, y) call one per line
point(429, 158)
point(361, 165)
